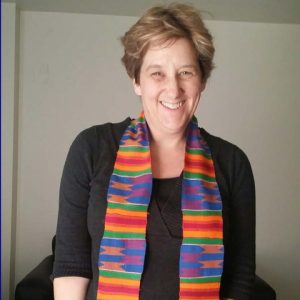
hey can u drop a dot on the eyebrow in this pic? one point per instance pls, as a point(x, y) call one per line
point(189, 66)
point(153, 67)
point(156, 66)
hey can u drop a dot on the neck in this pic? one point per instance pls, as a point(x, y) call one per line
point(165, 150)
point(167, 140)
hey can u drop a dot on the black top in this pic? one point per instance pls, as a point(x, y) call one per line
point(160, 278)
point(82, 208)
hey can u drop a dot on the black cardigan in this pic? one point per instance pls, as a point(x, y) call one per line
point(82, 208)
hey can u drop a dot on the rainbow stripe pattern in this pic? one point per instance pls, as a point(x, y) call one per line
point(123, 246)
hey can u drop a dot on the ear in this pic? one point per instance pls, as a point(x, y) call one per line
point(137, 88)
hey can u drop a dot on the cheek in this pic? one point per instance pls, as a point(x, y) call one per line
point(199, 87)
point(150, 91)
point(194, 90)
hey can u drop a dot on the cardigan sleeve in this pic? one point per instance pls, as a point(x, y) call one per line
point(86, 173)
point(73, 244)
point(239, 261)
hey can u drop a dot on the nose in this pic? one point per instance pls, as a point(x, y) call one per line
point(173, 88)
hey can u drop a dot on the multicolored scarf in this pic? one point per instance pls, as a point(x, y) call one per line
point(123, 246)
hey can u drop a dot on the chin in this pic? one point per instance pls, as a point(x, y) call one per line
point(176, 124)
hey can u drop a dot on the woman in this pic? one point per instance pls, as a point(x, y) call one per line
point(171, 206)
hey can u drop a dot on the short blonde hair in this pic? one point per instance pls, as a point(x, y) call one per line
point(162, 24)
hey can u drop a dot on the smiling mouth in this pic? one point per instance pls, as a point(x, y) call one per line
point(172, 106)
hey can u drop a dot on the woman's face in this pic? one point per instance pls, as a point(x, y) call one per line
point(170, 86)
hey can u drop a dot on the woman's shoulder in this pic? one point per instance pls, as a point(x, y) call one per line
point(233, 168)
point(107, 130)
point(222, 149)
point(98, 140)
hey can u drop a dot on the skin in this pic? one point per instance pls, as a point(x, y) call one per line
point(70, 287)
point(169, 74)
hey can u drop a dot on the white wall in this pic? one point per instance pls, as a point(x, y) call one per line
point(9, 101)
point(71, 78)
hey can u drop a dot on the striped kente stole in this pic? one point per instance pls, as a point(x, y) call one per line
point(123, 246)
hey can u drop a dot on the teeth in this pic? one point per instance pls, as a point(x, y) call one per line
point(172, 105)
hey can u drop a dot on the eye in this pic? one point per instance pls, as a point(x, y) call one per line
point(186, 74)
point(158, 75)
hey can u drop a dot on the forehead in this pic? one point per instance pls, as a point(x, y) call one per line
point(177, 52)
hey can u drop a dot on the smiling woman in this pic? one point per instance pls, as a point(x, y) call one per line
point(155, 207)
